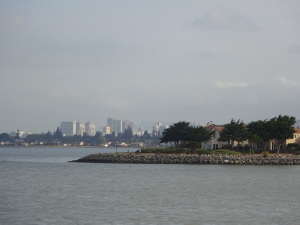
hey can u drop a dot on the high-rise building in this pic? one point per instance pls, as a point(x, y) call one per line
point(126, 124)
point(155, 129)
point(80, 128)
point(68, 128)
point(110, 123)
point(90, 129)
point(106, 130)
point(117, 126)
point(161, 129)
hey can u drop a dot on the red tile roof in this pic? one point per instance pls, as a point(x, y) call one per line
point(297, 130)
point(218, 128)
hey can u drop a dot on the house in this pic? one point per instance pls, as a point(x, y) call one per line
point(295, 139)
point(213, 143)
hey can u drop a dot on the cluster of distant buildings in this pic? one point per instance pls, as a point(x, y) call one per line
point(77, 128)
point(113, 125)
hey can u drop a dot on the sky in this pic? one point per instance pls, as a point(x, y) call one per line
point(147, 61)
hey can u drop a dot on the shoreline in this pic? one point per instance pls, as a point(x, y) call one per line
point(140, 158)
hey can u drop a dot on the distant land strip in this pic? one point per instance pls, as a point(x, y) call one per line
point(134, 158)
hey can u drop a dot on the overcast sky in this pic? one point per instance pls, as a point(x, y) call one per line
point(147, 60)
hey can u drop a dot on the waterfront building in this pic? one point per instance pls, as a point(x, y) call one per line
point(214, 142)
point(68, 128)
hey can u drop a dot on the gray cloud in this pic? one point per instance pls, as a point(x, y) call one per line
point(287, 82)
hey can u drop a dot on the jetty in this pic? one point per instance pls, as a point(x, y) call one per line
point(214, 159)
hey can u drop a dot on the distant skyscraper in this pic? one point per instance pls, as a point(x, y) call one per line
point(90, 129)
point(126, 124)
point(117, 126)
point(106, 130)
point(68, 128)
point(161, 129)
point(80, 128)
point(110, 123)
point(155, 129)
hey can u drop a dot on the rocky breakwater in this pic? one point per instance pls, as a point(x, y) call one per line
point(191, 159)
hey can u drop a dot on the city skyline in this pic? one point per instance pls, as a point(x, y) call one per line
point(152, 127)
point(193, 60)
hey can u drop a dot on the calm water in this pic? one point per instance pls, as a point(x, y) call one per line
point(39, 186)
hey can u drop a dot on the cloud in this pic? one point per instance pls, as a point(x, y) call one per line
point(287, 82)
point(224, 18)
point(221, 84)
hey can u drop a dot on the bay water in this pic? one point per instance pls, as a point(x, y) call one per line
point(40, 186)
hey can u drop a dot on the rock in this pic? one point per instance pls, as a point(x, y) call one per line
point(191, 159)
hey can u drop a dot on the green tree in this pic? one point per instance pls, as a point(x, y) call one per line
point(58, 135)
point(197, 135)
point(183, 133)
point(258, 134)
point(279, 129)
point(255, 142)
point(48, 137)
point(176, 133)
point(146, 136)
point(128, 135)
point(5, 137)
point(233, 131)
point(34, 138)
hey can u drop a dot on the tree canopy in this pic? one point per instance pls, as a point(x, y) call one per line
point(279, 129)
point(276, 130)
point(183, 132)
point(233, 131)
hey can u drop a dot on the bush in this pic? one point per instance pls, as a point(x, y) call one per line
point(170, 150)
point(225, 152)
point(199, 151)
point(293, 147)
point(296, 153)
point(202, 151)
point(265, 153)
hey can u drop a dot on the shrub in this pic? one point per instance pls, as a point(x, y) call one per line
point(171, 150)
point(199, 151)
point(202, 151)
point(296, 153)
point(293, 147)
point(265, 153)
point(225, 152)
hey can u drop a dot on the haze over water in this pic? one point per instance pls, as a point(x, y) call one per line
point(39, 186)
